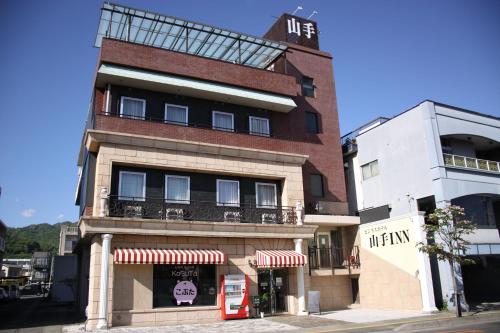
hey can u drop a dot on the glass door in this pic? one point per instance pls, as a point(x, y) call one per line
point(273, 289)
point(324, 250)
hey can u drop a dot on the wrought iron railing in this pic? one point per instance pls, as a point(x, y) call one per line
point(159, 208)
point(333, 257)
point(471, 163)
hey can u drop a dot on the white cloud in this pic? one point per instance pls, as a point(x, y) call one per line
point(28, 212)
point(60, 216)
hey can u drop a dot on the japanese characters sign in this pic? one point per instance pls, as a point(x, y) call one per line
point(301, 31)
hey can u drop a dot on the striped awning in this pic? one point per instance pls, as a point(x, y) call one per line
point(279, 258)
point(164, 256)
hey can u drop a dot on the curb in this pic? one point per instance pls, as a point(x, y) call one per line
point(448, 322)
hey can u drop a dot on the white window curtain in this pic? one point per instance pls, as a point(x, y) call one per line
point(132, 108)
point(176, 114)
point(259, 126)
point(228, 193)
point(266, 195)
point(132, 186)
point(223, 121)
point(177, 189)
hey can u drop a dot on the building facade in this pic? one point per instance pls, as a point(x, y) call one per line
point(3, 232)
point(209, 152)
point(431, 156)
point(68, 237)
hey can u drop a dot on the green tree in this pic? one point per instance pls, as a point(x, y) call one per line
point(448, 226)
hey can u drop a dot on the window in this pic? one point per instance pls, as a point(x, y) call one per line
point(132, 186)
point(177, 189)
point(176, 114)
point(223, 121)
point(307, 86)
point(228, 193)
point(265, 195)
point(370, 170)
point(169, 279)
point(317, 185)
point(312, 123)
point(259, 126)
point(132, 108)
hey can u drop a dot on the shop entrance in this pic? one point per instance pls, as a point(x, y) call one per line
point(273, 289)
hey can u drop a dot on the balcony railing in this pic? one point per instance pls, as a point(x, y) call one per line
point(158, 208)
point(333, 257)
point(471, 163)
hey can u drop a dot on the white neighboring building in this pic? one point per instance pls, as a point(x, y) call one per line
point(429, 156)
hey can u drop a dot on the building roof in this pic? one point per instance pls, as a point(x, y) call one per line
point(171, 33)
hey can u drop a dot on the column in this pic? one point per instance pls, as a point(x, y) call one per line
point(301, 300)
point(102, 323)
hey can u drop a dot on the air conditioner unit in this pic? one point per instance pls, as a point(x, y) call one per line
point(231, 216)
point(174, 214)
point(268, 218)
point(132, 211)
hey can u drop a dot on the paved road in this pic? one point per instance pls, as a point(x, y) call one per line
point(492, 327)
point(35, 311)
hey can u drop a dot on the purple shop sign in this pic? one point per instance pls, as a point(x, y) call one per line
point(185, 292)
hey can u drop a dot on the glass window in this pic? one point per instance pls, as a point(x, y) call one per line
point(312, 122)
point(177, 189)
point(184, 285)
point(307, 86)
point(132, 186)
point(176, 114)
point(317, 185)
point(259, 126)
point(223, 121)
point(265, 195)
point(370, 169)
point(132, 108)
point(228, 193)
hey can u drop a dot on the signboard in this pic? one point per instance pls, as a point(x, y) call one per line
point(313, 301)
point(301, 31)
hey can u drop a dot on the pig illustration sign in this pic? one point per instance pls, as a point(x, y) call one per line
point(185, 292)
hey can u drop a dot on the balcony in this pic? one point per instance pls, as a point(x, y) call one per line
point(471, 163)
point(159, 209)
point(333, 260)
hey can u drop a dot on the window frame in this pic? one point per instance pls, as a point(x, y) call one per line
point(120, 179)
point(305, 89)
point(122, 98)
point(369, 165)
point(257, 184)
point(217, 193)
point(257, 133)
point(322, 185)
point(316, 122)
point(214, 112)
point(185, 107)
point(182, 202)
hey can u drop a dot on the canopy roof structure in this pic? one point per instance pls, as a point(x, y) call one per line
point(174, 34)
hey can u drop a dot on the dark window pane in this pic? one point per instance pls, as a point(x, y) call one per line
point(307, 86)
point(312, 122)
point(174, 285)
point(317, 185)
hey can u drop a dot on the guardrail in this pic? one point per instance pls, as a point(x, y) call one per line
point(333, 257)
point(471, 163)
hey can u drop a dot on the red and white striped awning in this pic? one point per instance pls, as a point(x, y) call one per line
point(169, 257)
point(279, 258)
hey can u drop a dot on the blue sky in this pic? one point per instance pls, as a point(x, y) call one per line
point(388, 56)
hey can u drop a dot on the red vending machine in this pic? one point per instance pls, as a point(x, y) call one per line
point(234, 296)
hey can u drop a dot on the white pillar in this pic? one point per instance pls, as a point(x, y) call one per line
point(104, 202)
point(298, 211)
point(301, 300)
point(102, 322)
point(424, 268)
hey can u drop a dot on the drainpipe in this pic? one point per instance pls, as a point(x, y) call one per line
point(102, 322)
point(300, 281)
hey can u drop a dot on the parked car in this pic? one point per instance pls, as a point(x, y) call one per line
point(32, 289)
point(3, 295)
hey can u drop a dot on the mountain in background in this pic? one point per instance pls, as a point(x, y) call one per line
point(22, 242)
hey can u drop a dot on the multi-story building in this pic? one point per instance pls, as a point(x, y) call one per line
point(68, 237)
point(430, 156)
point(210, 152)
point(41, 265)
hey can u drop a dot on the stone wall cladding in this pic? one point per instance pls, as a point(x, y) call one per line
point(335, 291)
point(178, 63)
point(198, 162)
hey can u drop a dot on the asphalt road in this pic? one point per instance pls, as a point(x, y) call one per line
point(35, 311)
point(490, 327)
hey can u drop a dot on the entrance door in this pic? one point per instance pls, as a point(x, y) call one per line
point(273, 289)
point(324, 250)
